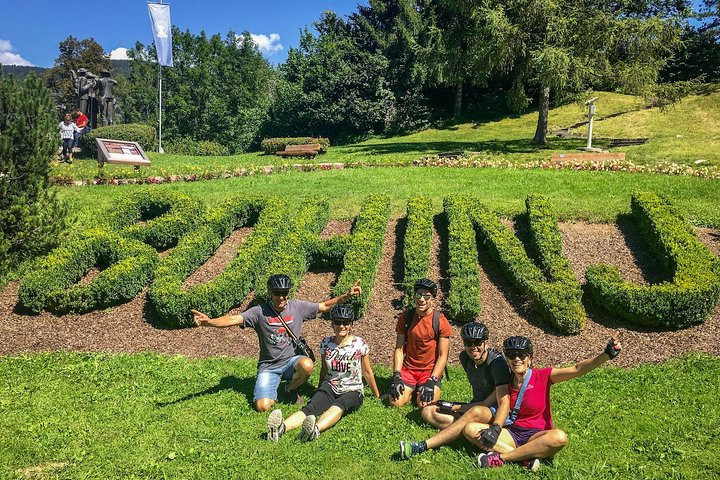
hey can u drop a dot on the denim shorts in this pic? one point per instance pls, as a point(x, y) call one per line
point(268, 381)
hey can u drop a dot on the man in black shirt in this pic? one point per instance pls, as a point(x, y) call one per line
point(489, 375)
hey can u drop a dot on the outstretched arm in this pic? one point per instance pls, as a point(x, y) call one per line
point(369, 375)
point(202, 320)
point(581, 368)
point(325, 306)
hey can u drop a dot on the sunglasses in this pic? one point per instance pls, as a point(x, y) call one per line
point(281, 293)
point(473, 343)
point(522, 355)
point(425, 296)
point(342, 322)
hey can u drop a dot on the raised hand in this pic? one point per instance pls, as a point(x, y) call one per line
point(200, 318)
point(355, 289)
point(613, 348)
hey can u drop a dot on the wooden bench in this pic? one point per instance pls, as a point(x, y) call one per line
point(581, 158)
point(307, 151)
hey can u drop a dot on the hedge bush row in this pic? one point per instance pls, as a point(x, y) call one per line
point(463, 298)
point(172, 303)
point(272, 145)
point(201, 148)
point(555, 300)
point(145, 135)
point(328, 253)
point(567, 311)
point(168, 216)
point(363, 255)
point(417, 244)
point(127, 264)
point(694, 290)
point(292, 251)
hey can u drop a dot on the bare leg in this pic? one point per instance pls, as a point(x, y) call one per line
point(404, 399)
point(303, 370)
point(264, 404)
point(438, 420)
point(541, 445)
point(294, 421)
point(328, 419)
point(504, 444)
point(455, 430)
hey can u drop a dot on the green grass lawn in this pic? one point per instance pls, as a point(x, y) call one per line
point(594, 196)
point(501, 139)
point(75, 416)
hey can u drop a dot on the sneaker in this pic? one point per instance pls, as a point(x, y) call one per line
point(490, 460)
point(275, 426)
point(532, 464)
point(294, 398)
point(408, 449)
point(309, 431)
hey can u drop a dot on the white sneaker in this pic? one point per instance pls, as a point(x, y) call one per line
point(274, 425)
point(309, 431)
point(532, 464)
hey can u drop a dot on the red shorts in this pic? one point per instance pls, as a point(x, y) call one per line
point(412, 378)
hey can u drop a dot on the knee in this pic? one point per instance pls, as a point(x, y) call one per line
point(264, 404)
point(305, 365)
point(479, 413)
point(428, 414)
point(558, 438)
point(471, 430)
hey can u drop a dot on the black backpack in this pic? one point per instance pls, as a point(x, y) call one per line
point(436, 329)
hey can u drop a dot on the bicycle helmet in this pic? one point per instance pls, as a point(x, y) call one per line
point(342, 312)
point(279, 281)
point(474, 331)
point(517, 343)
point(427, 284)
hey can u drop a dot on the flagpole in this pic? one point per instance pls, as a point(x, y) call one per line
point(160, 149)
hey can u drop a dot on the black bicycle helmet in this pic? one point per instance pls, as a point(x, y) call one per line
point(474, 331)
point(427, 284)
point(517, 343)
point(279, 281)
point(342, 312)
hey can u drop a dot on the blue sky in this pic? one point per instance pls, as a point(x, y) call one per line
point(30, 30)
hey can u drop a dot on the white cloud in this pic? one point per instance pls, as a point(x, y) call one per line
point(119, 53)
point(9, 58)
point(267, 44)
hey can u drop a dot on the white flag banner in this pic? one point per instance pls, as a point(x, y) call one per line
point(162, 32)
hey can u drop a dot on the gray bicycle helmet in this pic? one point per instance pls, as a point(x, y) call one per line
point(518, 343)
point(474, 331)
point(342, 312)
point(279, 281)
point(427, 284)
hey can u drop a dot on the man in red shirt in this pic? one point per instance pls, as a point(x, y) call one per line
point(81, 120)
point(420, 351)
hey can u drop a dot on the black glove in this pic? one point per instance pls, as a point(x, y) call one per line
point(489, 436)
point(427, 390)
point(610, 349)
point(397, 387)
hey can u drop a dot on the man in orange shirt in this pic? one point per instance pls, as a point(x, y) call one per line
point(421, 350)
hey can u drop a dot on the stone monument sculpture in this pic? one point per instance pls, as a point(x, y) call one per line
point(106, 99)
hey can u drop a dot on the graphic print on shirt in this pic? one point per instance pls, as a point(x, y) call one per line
point(279, 336)
point(344, 364)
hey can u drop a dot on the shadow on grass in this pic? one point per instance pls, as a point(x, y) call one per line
point(490, 146)
point(244, 386)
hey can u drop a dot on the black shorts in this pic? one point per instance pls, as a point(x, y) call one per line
point(324, 398)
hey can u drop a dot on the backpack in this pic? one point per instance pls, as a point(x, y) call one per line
point(436, 329)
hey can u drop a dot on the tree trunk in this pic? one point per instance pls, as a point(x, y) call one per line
point(457, 105)
point(543, 110)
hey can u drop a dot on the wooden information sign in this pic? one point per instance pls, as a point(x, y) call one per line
point(121, 152)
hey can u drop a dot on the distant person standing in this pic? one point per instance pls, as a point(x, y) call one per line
point(68, 129)
point(81, 121)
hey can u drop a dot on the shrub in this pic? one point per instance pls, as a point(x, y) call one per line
point(167, 216)
point(694, 289)
point(272, 145)
point(463, 298)
point(172, 302)
point(127, 265)
point(417, 243)
point(363, 255)
point(31, 219)
point(143, 134)
point(328, 253)
point(188, 146)
point(556, 298)
point(292, 251)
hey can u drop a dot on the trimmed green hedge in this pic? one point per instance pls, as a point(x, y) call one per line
point(127, 264)
point(463, 298)
point(692, 294)
point(363, 255)
point(145, 135)
point(555, 298)
point(172, 302)
point(328, 253)
point(272, 145)
point(168, 216)
point(417, 244)
point(292, 251)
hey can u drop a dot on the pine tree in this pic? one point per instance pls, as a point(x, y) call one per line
point(31, 219)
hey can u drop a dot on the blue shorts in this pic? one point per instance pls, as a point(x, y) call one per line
point(521, 435)
point(268, 381)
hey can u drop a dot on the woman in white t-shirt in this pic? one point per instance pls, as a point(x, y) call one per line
point(345, 361)
point(67, 135)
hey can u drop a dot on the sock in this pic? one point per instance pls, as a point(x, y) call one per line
point(421, 446)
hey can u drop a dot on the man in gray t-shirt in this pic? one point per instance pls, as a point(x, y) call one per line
point(278, 360)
